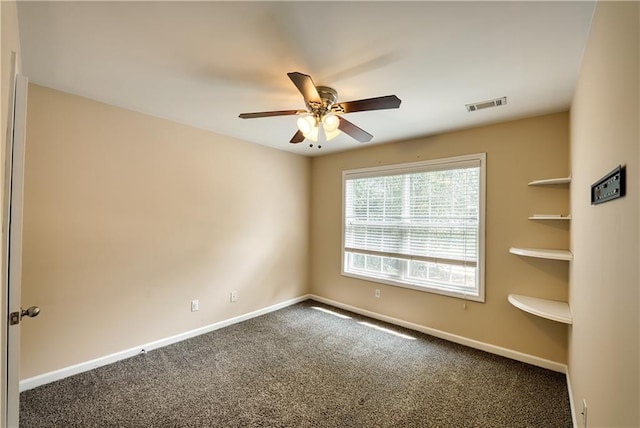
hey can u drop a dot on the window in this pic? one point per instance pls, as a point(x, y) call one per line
point(417, 225)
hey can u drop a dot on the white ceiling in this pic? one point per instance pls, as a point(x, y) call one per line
point(203, 63)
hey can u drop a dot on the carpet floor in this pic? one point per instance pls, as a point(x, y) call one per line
point(304, 366)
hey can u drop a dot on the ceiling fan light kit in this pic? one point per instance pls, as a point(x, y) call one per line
point(323, 109)
point(311, 129)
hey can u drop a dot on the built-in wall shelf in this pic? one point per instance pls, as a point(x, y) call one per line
point(549, 309)
point(548, 181)
point(542, 253)
point(550, 217)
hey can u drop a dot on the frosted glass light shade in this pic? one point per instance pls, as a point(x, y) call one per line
point(330, 122)
point(331, 135)
point(312, 134)
point(306, 123)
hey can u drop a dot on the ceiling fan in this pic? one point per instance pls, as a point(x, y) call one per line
point(323, 109)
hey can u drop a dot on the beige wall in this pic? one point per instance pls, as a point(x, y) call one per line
point(603, 347)
point(517, 152)
point(129, 217)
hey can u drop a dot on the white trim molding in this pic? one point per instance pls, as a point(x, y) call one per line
point(55, 375)
point(356, 230)
point(572, 403)
point(487, 347)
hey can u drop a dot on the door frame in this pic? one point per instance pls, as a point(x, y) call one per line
point(11, 276)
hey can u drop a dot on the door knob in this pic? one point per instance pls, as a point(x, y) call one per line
point(32, 312)
point(15, 317)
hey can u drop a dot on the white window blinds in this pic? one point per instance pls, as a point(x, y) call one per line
point(418, 223)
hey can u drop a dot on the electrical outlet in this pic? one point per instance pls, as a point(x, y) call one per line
point(195, 305)
point(584, 413)
point(377, 293)
point(234, 296)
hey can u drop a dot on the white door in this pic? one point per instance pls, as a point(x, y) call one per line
point(12, 253)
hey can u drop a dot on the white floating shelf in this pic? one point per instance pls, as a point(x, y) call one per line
point(549, 309)
point(542, 253)
point(549, 217)
point(563, 180)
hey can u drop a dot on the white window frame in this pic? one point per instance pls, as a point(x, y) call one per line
point(423, 166)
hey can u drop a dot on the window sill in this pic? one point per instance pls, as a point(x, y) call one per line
point(459, 294)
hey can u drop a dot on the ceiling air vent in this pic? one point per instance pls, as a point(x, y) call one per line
point(487, 104)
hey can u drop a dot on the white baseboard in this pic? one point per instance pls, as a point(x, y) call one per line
point(45, 378)
point(493, 349)
point(572, 404)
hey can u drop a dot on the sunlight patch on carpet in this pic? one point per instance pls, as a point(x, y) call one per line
point(386, 330)
point(327, 311)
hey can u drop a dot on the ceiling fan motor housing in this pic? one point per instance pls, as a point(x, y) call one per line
point(329, 96)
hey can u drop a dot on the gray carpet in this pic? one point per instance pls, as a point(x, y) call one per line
point(302, 367)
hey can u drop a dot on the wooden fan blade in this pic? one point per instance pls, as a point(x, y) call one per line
point(298, 137)
point(268, 114)
point(358, 133)
point(378, 103)
point(306, 87)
